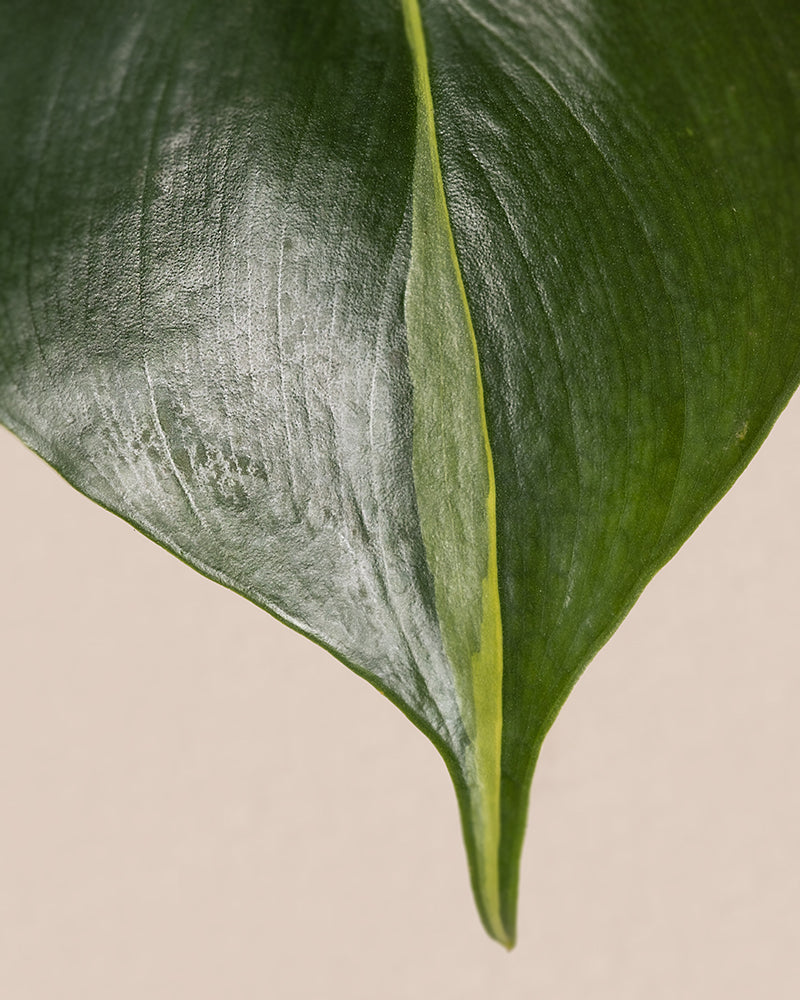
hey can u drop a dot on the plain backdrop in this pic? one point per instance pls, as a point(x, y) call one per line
point(197, 803)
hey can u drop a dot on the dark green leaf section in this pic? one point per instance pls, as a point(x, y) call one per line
point(623, 181)
point(207, 244)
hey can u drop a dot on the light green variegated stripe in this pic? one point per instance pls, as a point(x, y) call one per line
point(454, 479)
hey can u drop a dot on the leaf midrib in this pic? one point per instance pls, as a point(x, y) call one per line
point(478, 671)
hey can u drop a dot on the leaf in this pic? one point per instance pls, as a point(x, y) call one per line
point(433, 327)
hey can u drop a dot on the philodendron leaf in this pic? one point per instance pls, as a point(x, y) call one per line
point(431, 326)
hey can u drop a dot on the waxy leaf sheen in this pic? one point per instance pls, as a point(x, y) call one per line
point(433, 327)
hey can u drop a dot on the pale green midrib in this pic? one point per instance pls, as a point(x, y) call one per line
point(480, 694)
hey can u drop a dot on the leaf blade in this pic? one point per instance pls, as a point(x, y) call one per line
point(205, 266)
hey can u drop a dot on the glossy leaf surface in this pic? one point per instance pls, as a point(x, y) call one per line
point(433, 328)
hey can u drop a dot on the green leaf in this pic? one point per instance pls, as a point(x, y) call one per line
point(433, 327)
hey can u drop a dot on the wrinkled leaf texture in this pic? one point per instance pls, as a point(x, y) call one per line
point(433, 327)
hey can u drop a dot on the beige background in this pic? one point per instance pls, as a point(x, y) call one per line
point(197, 803)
